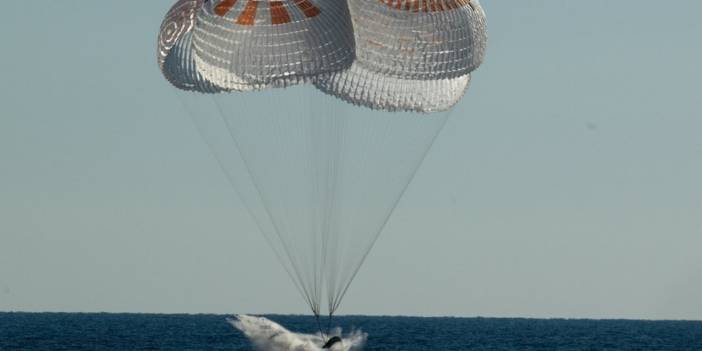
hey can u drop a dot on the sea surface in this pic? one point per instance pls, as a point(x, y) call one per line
point(102, 331)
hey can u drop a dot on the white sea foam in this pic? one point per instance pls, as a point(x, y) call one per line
point(267, 335)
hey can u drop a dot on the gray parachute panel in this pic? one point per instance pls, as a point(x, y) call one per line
point(412, 55)
point(285, 42)
point(363, 87)
point(419, 39)
point(175, 48)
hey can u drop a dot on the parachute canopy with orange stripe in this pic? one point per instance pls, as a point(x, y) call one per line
point(278, 43)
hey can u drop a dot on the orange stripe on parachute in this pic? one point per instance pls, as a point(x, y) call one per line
point(308, 8)
point(224, 7)
point(427, 5)
point(248, 16)
point(279, 14)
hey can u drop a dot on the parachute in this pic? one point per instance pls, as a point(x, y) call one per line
point(319, 178)
point(412, 55)
point(260, 43)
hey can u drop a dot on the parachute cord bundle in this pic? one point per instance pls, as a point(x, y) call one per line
point(322, 228)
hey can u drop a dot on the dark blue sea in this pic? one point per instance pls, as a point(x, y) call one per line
point(101, 331)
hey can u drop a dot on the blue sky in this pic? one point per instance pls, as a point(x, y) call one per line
point(566, 183)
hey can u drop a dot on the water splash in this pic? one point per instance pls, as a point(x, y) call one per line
point(267, 335)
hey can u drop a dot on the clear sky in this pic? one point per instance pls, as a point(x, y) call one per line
point(567, 183)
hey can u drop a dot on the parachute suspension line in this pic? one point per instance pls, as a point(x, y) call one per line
point(372, 131)
point(324, 142)
point(307, 133)
point(344, 139)
point(309, 291)
point(376, 136)
point(366, 134)
point(342, 149)
point(327, 182)
point(304, 290)
point(334, 158)
point(314, 164)
point(393, 207)
point(302, 287)
point(329, 323)
point(319, 326)
point(324, 150)
point(310, 134)
point(232, 182)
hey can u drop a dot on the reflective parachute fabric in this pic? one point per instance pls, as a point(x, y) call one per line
point(175, 48)
point(412, 55)
point(361, 86)
point(250, 44)
point(419, 39)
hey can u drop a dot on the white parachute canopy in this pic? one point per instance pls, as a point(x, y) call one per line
point(411, 55)
point(175, 55)
point(319, 177)
point(245, 45)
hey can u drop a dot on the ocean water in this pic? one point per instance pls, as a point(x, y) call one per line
point(100, 331)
